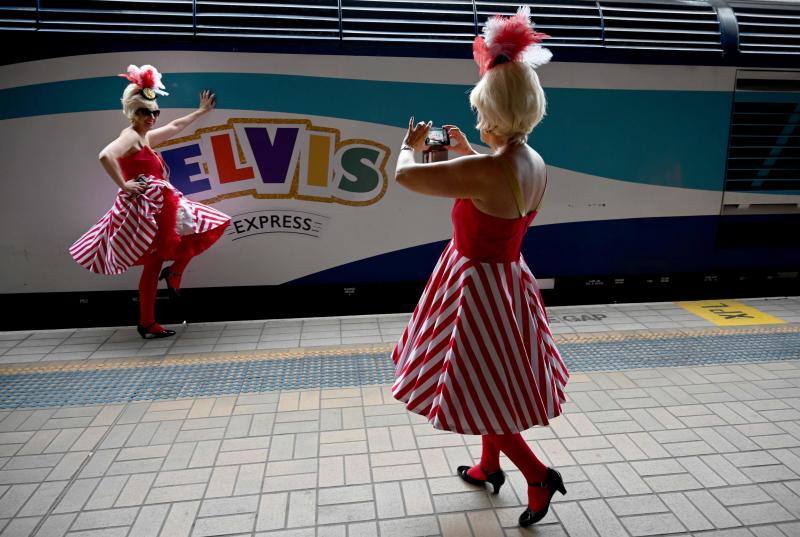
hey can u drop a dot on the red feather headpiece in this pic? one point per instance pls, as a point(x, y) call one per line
point(147, 78)
point(507, 39)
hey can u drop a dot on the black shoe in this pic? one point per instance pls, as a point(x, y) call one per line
point(165, 274)
point(145, 332)
point(553, 482)
point(495, 478)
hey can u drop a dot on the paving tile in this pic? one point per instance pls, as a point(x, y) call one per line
point(628, 478)
point(574, 520)
point(410, 527)
point(351, 512)
point(656, 524)
point(105, 518)
point(691, 517)
point(178, 493)
point(636, 505)
point(57, 526)
point(389, 500)
point(76, 495)
point(674, 482)
point(603, 480)
point(454, 525)
point(764, 513)
point(712, 509)
point(463, 501)
point(224, 525)
point(14, 498)
point(179, 519)
point(348, 494)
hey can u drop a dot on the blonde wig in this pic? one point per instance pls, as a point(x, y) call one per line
point(509, 100)
point(132, 100)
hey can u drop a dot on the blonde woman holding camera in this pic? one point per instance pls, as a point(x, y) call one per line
point(477, 356)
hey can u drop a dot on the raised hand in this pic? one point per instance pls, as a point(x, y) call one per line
point(458, 142)
point(208, 100)
point(416, 134)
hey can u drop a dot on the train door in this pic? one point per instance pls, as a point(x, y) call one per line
point(760, 213)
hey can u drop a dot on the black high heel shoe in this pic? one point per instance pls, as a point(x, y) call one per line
point(553, 482)
point(165, 274)
point(496, 479)
point(145, 332)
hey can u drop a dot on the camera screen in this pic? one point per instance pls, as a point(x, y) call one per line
point(437, 135)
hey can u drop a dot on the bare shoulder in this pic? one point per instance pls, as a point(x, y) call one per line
point(127, 142)
point(486, 168)
point(128, 137)
point(534, 167)
point(476, 167)
point(536, 158)
point(477, 160)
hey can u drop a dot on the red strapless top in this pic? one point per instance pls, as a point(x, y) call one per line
point(143, 162)
point(483, 237)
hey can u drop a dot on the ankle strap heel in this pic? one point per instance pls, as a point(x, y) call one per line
point(496, 479)
point(552, 481)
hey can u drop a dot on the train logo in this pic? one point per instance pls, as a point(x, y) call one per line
point(277, 159)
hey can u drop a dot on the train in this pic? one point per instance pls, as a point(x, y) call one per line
point(672, 139)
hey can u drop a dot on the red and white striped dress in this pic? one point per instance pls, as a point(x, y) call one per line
point(160, 221)
point(477, 356)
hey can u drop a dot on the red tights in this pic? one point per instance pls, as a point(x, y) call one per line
point(148, 284)
point(516, 449)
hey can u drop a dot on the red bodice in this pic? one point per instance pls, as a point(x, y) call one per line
point(484, 237)
point(143, 162)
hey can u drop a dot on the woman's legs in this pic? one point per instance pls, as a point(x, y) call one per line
point(148, 284)
point(490, 460)
point(177, 267)
point(516, 449)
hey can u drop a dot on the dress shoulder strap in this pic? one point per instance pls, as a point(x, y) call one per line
point(513, 183)
point(544, 190)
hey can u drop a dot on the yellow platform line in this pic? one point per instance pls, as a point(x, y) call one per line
point(228, 357)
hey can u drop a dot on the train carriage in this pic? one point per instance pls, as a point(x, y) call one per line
point(672, 138)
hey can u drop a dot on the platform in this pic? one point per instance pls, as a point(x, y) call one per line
point(682, 419)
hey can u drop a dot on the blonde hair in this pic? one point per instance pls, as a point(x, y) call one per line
point(509, 100)
point(132, 101)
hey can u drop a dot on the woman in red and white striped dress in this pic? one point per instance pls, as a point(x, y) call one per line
point(150, 221)
point(477, 356)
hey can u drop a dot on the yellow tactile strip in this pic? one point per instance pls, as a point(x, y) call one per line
point(187, 359)
point(671, 333)
point(222, 357)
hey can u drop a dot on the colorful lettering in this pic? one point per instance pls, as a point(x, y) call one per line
point(227, 169)
point(277, 158)
point(319, 160)
point(273, 157)
point(360, 173)
point(181, 171)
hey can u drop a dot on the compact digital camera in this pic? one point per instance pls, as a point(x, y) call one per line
point(437, 136)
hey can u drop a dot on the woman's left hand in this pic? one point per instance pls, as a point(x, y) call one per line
point(207, 100)
point(415, 137)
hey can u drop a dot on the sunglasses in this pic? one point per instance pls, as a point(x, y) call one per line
point(148, 112)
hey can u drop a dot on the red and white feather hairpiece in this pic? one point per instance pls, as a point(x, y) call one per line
point(146, 77)
point(510, 39)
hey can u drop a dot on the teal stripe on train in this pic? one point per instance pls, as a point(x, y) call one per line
point(669, 138)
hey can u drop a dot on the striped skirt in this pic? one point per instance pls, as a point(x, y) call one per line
point(133, 228)
point(477, 356)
